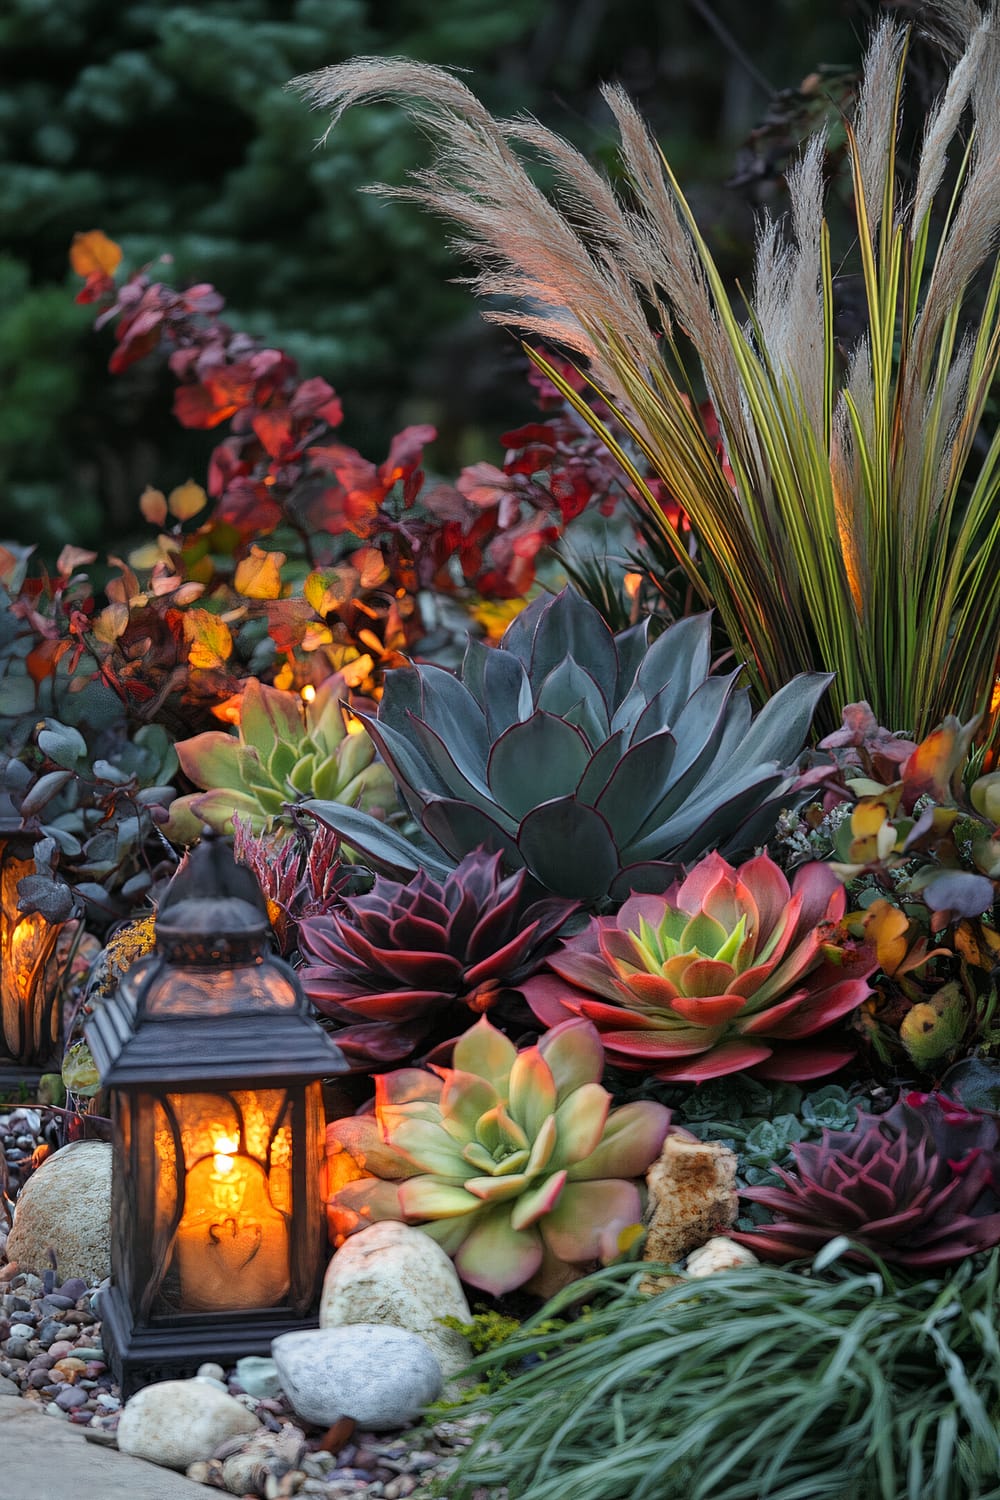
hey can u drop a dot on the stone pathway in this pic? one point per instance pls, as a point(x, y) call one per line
point(44, 1459)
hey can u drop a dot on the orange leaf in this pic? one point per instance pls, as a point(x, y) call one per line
point(71, 558)
point(371, 567)
point(43, 660)
point(211, 643)
point(258, 576)
point(93, 251)
point(186, 500)
point(110, 623)
point(153, 504)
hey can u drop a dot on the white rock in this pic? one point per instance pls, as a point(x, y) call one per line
point(380, 1376)
point(66, 1206)
point(394, 1274)
point(719, 1254)
point(176, 1422)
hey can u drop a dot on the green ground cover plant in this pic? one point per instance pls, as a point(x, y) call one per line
point(794, 1385)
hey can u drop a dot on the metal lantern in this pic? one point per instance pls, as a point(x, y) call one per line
point(29, 1012)
point(213, 1066)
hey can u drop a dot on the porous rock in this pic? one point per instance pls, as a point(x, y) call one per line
point(65, 1208)
point(692, 1195)
point(394, 1274)
point(719, 1254)
point(176, 1422)
point(380, 1376)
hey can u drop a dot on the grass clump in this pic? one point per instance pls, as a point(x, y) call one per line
point(767, 1385)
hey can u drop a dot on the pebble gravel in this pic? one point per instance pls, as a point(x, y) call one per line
point(51, 1353)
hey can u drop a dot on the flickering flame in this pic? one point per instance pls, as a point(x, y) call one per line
point(225, 1148)
point(633, 582)
point(308, 693)
point(355, 726)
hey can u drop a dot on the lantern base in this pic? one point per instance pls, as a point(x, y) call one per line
point(141, 1354)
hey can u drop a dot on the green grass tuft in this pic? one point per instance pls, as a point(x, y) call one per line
point(762, 1385)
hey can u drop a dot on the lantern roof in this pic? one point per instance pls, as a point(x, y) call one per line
point(211, 1004)
point(213, 908)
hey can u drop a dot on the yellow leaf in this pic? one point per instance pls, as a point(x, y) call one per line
point(153, 504)
point(110, 623)
point(259, 575)
point(328, 589)
point(211, 643)
point(146, 556)
point(93, 251)
point(186, 500)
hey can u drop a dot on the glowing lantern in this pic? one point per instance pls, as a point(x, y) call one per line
point(213, 1066)
point(29, 1013)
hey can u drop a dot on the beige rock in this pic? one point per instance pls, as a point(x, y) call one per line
point(691, 1197)
point(177, 1422)
point(394, 1274)
point(719, 1254)
point(66, 1206)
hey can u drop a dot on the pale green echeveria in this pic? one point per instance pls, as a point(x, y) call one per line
point(284, 751)
point(513, 1161)
point(600, 762)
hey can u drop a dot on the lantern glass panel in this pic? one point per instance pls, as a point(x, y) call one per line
point(28, 1010)
point(243, 990)
point(223, 1200)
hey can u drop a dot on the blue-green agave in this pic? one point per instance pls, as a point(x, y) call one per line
point(589, 758)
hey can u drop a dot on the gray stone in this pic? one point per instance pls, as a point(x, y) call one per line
point(394, 1274)
point(9, 1387)
point(175, 1422)
point(258, 1376)
point(66, 1206)
point(382, 1377)
point(48, 1460)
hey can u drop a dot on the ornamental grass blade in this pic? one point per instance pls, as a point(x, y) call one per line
point(851, 522)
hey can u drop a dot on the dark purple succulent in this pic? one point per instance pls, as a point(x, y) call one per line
point(919, 1186)
point(402, 966)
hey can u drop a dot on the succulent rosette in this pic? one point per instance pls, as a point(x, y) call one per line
point(730, 968)
point(284, 751)
point(402, 966)
point(917, 1185)
point(513, 1161)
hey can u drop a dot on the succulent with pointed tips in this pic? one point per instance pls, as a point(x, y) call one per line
point(402, 967)
point(284, 751)
point(918, 1186)
point(729, 969)
point(586, 757)
point(511, 1160)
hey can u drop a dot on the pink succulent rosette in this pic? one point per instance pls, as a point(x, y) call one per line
point(513, 1161)
point(731, 968)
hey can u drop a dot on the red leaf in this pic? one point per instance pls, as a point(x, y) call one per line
point(406, 452)
point(195, 406)
point(274, 429)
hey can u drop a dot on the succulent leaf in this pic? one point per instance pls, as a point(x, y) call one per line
point(281, 753)
point(511, 1161)
point(409, 960)
point(678, 984)
point(579, 754)
point(916, 1185)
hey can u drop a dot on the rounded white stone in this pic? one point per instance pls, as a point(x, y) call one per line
point(382, 1377)
point(395, 1274)
point(177, 1422)
point(66, 1206)
point(719, 1254)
